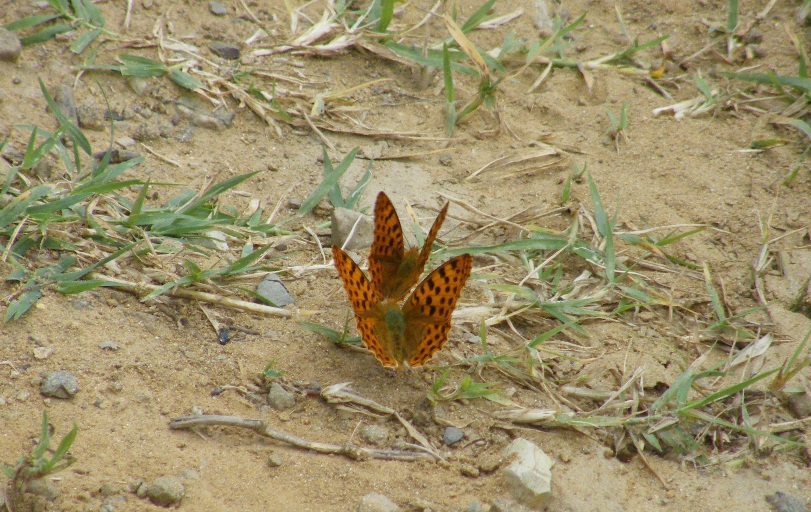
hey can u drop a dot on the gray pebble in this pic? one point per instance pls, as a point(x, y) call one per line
point(198, 115)
point(60, 384)
point(452, 436)
point(279, 398)
point(138, 84)
point(753, 36)
point(217, 9)
point(273, 290)
point(469, 470)
point(225, 50)
point(125, 142)
point(91, 117)
point(343, 223)
point(165, 491)
point(505, 505)
point(112, 502)
point(109, 345)
point(377, 503)
point(10, 47)
point(799, 404)
point(274, 461)
point(142, 489)
point(374, 434)
point(63, 96)
point(782, 502)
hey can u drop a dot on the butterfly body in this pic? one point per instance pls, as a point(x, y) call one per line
point(393, 269)
point(411, 333)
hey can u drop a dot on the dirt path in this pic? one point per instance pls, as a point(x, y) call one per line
point(668, 172)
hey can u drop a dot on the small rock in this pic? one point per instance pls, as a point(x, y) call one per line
point(343, 221)
point(225, 50)
point(469, 470)
point(141, 490)
point(213, 239)
point(165, 491)
point(529, 473)
point(799, 404)
point(374, 434)
point(782, 502)
point(63, 96)
point(452, 436)
point(274, 461)
point(506, 505)
point(91, 117)
point(125, 142)
point(117, 156)
point(112, 502)
point(374, 151)
point(753, 36)
point(377, 503)
point(10, 46)
point(109, 345)
point(198, 115)
point(60, 384)
point(279, 398)
point(138, 84)
point(217, 9)
point(445, 160)
point(42, 488)
point(474, 507)
point(42, 353)
point(273, 290)
point(107, 490)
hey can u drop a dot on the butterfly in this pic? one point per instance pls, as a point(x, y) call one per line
point(407, 335)
point(394, 270)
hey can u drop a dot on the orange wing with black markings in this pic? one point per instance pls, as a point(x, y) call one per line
point(393, 270)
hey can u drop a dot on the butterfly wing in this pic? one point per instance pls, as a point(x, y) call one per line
point(428, 311)
point(365, 303)
point(388, 248)
point(422, 259)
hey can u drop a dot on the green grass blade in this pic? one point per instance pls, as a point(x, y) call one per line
point(19, 306)
point(46, 34)
point(450, 101)
point(142, 67)
point(354, 196)
point(84, 40)
point(94, 14)
point(732, 16)
point(64, 123)
point(386, 15)
point(478, 16)
point(185, 80)
point(30, 21)
point(216, 190)
point(335, 196)
point(329, 182)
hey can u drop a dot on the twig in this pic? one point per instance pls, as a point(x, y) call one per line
point(159, 156)
point(141, 288)
point(348, 450)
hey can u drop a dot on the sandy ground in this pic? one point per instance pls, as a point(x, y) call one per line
point(668, 172)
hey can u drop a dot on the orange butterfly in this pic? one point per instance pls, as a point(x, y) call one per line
point(394, 270)
point(407, 335)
